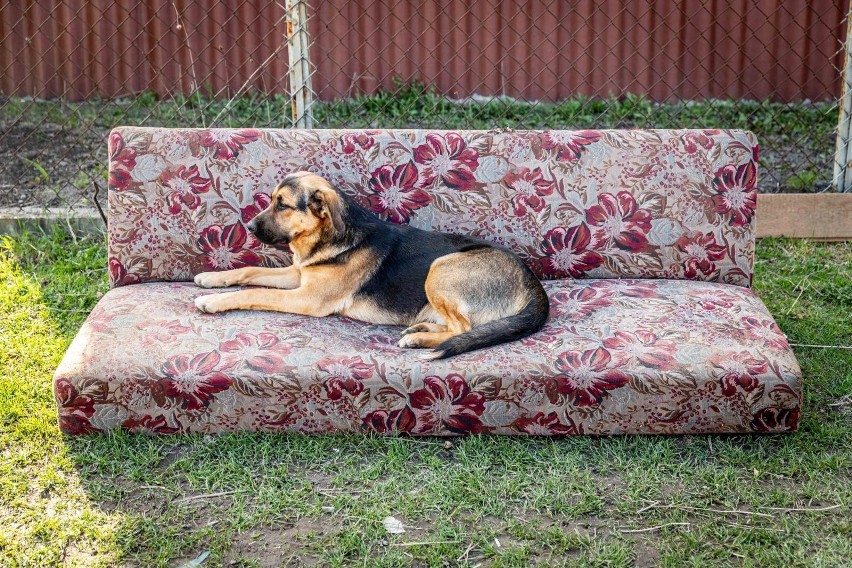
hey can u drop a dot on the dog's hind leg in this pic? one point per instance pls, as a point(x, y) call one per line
point(446, 298)
point(470, 289)
point(425, 327)
point(431, 335)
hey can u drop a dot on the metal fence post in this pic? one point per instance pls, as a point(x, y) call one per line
point(843, 148)
point(301, 94)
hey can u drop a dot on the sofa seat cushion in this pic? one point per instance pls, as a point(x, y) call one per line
point(616, 356)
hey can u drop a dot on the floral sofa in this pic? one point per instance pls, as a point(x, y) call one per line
point(644, 240)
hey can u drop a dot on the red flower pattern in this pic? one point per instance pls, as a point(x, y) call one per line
point(122, 159)
point(118, 273)
point(260, 201)
point(620, 221)
point(345, 374)
point(262, 352)
point(775, 419)
point(642, 347)
point(738, 370)
point(448, 159)
point(547, 383)
point(695, 139)
point(395, 192)
point(766, 331)
point(185, 185)
point(77, 408)
point(227, 247)
point(568, 252)
point(447, 402)
point(226, 144)
point(568, 146)
point(736, 196)
point(701, 251)
point(349, 158)
point(193, 380)
point(478, 392)
point(579, 302)
point(391, 422)
point(149, 424)
point(529, 187)
point(588, 376)
point(349, 142)
point(545, 425)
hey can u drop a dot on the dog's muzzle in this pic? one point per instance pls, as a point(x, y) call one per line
point(265, 236)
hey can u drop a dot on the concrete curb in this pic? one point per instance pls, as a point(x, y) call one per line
point(14, 221)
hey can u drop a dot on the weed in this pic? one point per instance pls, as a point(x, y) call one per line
point(803, 180)
point(42, 173)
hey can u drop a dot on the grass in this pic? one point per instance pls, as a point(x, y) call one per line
point(413, 105)
point(258, 499)
point(42, 173)
point(794, 137)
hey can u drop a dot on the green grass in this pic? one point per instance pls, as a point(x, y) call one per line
point(413, 105)
point(257, 500)
point(797, 139)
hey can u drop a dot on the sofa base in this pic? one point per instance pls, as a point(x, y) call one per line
point(616, 357)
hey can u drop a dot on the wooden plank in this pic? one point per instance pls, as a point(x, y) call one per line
point(818, 216)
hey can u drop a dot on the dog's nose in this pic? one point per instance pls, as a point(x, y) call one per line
point(252, 225)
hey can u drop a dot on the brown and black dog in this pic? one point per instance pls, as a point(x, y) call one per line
point(455, 293)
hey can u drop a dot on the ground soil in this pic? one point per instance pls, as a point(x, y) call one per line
point(51, 166)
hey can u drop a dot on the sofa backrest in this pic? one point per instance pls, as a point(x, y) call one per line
point(604, 204)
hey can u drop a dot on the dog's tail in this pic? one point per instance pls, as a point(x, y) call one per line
point(526, 322)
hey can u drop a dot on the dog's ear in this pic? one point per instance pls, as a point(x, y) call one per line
point(326, 203)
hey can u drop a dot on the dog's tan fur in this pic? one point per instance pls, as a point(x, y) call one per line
point(329, 273)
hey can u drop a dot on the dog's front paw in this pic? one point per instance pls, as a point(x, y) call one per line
point(207, 304)
point(211, 280)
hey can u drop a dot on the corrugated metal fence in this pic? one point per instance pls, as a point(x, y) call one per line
point(79, 49)
point(72, 69)
point(667, 49)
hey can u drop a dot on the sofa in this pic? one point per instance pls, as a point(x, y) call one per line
point(644, 241)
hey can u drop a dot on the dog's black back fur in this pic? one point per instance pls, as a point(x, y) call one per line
point(405, 254)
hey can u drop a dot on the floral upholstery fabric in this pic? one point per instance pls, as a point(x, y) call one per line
point(644, 239)
point(616, 356)
point(673, 204)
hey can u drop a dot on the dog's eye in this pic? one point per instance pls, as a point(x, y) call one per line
point(282, 207)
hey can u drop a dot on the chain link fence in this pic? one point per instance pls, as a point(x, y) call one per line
point(72, 69)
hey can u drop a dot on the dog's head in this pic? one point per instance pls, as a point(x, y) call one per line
point(304, 206)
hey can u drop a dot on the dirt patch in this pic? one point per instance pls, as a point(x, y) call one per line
point(646, 555)
point(174, 454)
point(49, 165)
point(268, 547)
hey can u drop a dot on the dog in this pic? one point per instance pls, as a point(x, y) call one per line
point(454, 293)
